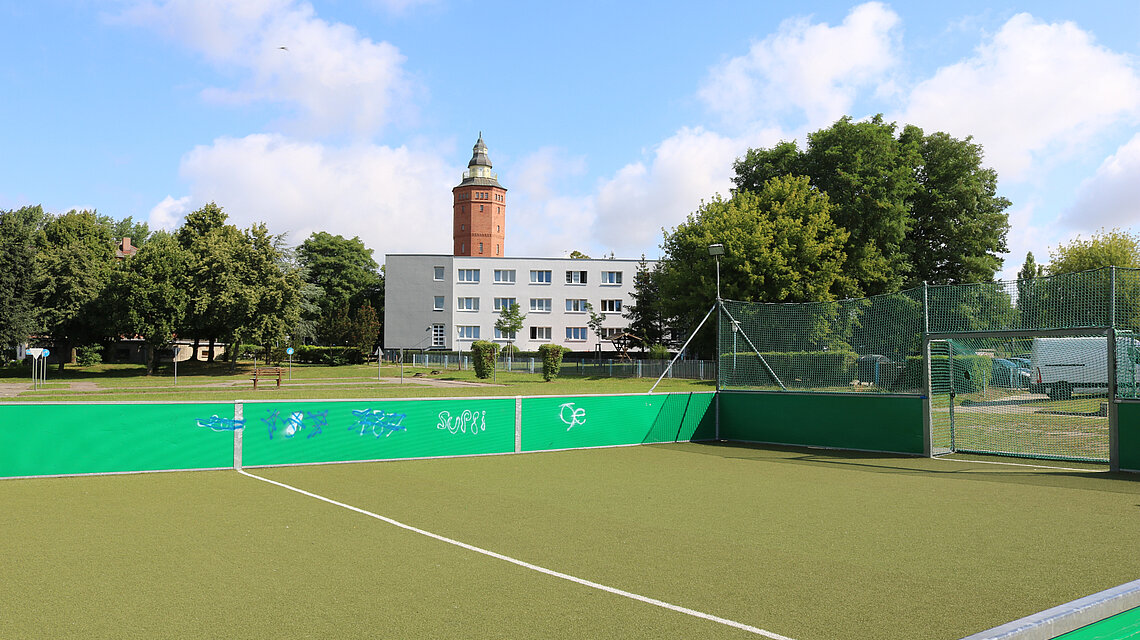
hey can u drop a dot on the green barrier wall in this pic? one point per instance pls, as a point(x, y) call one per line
point(1128, 420)
point(598, 421)
point(335, 431)
point(864, 422)
point(65, 439)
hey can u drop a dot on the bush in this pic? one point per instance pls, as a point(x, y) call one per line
point(89, 354)
point(551, 360)
point(658, 352)
point(483, 357)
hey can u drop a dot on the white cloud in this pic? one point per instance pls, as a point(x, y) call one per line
point(336, 79)
point(813, 69)
point(634, 205)
point(167, 215)
point(1111, 197)
point(541, 221)
point(1032, 93)
point(398, 200)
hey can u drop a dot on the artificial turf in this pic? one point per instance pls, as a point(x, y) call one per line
point(807, 544)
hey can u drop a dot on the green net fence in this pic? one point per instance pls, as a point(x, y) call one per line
point(1012, 367)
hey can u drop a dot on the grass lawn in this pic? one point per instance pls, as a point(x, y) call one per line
point(214, 382)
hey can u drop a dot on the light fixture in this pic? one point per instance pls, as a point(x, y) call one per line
point(716, 249)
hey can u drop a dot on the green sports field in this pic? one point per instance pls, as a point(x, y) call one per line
point(803, 544)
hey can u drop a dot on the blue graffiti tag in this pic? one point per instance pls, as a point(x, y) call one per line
point(296, 422)
point(221, 424)
point(378, 421)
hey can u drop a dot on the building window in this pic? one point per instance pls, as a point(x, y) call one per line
point(496, 249)
point(576, 334)
point(610, 332)
point(505, 276)
point(613, 306)
point(439, 273)
point(438, 337)
point(469, 275)
point(575, 277)
point(499, 335)
point(611, 277)
point(576, 305)
point(480, 247)
point(467, 332)
point(438, 303)
point(540, 277)
point(540, 333)
point(503, 303)
point(540, 305)
point(480, 208)
point(468, 304)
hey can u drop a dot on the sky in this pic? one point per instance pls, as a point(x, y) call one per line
point(607, 122)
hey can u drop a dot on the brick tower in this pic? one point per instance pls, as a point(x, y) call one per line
point(479, 204)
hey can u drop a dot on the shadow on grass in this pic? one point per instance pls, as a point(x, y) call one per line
point(990, 469)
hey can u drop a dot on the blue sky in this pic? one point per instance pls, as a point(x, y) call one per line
point(606, 123)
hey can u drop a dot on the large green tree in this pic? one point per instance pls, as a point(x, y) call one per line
point(214, 266)
point(152, 290)
point(18, 232)
point(959, 224)
point(345, 273)
point(72, 268)
point(781, 244)
point(918, 207)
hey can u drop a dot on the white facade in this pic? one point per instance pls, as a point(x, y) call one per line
point(448, 302)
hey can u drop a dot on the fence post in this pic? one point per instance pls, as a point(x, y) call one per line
point(1112, 297)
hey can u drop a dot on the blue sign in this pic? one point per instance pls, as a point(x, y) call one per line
point(46, 353)
point(289, 351)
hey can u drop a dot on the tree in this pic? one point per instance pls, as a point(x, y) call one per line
point(154, 293)
point(138, 232)
point(959, 224)
point(781, 245)
point(917, 207)
point(271, 289)
point(1113, 248)
point(578, 255)
point(72, 269)
point(18, 233)
point(510, 322)
point(213, 247)
point(596, 321)
point(1029, 299)
point(645, 315)
point(344, 271)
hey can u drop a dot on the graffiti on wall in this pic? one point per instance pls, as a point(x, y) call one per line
point(572, 416)
point(472, 422)
point(378, 422)
point(221, 424)
point(295, 422)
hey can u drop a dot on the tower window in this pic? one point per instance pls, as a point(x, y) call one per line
point(480, 247)
point(480, 208)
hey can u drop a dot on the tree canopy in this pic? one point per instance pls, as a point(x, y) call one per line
point(781, 244)
point(19, 230)
point(917, 207)
point(1106, 248)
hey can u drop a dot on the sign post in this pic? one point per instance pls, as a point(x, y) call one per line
point(36, 353)
point(289, 352)
point(174, 359)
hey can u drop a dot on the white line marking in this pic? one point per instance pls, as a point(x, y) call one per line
point(1019, 464)
point(533, 567)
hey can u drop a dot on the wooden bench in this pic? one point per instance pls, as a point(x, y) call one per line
point(267, 373)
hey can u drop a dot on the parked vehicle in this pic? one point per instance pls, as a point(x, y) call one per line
point(1061, 367)
point(1009, 373)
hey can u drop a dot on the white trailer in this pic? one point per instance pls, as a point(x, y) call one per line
point(1060, 367)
